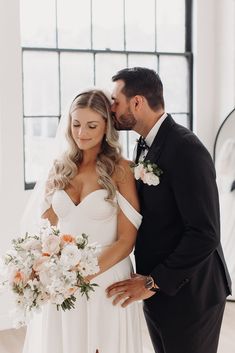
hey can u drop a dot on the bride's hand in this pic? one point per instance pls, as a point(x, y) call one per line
point(129, 290)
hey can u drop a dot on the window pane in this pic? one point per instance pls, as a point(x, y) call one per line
point(128, 142)
point(38, 23)
point(124, 142)
point(170, 18)
point(51, 79)
point(181, 119)
point(39, 136)
point(41, 83)
point(132, 141)
point(74, 24)
point(144, 60)
point(107, 65)
point(76, 75)
point(140, 25)
point(173, 71)
point(108, 30)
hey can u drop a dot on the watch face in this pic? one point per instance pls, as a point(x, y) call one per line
point(149, 283)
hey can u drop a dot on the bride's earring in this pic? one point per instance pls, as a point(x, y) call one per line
point(106, 139)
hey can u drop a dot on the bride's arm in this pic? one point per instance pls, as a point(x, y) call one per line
point(126, 231)
point(51, 216)
point(46, 208)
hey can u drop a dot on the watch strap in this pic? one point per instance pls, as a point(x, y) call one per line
point(150, 284)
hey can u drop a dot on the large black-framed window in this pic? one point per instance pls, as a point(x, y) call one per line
point(69, 45)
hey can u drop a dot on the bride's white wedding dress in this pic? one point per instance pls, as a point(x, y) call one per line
point(95, 324)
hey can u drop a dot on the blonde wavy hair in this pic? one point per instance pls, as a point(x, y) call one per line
point(66, 168)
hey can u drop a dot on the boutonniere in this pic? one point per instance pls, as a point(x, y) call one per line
point(148, 172)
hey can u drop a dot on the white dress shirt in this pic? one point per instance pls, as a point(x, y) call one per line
point(151, 135)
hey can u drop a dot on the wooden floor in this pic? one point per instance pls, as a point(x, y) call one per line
point(11, 341)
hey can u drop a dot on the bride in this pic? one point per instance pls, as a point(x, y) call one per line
point(91, 189)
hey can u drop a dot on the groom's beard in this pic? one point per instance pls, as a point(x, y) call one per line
point(124, 122)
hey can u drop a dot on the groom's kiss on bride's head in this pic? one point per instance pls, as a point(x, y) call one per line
point(178, 252)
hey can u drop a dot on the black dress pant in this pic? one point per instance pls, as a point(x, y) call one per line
point(181, 334)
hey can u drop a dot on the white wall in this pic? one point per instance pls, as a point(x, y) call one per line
point(12, 195)
point(225, 58)
point(214, 97)
point(204, 69)
point(214, 66)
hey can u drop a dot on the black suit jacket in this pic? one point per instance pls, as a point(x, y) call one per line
point(178, 242)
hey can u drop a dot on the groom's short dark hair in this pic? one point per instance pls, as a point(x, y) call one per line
point(142, 81)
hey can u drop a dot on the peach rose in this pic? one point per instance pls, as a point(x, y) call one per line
point(32, 244)
point(67, 239)
point(19, 277)
point(71, 291)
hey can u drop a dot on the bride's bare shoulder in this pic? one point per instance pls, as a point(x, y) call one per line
point(123, 170)
point(125, 181)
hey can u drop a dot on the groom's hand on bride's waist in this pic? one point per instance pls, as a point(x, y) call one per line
point(138, 287)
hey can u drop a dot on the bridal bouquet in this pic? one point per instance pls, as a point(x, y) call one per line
point(48, 268)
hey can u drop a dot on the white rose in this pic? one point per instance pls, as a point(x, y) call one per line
point(151, 179)
point(150, 168)
point(46, 271)
point(44, 276)
point(57, 284)
point(29, 295)
point(31, 244)
point(34, 284)
point(70, 256)
point(39, 263)
point(138, 171)
point(88, 264)
point(57, 298)
point(51, 244)
point(42, 298)
point(70, 276)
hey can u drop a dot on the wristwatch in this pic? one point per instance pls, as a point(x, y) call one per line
point(150, 284)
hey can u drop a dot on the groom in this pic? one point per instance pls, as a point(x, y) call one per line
point(181, 271)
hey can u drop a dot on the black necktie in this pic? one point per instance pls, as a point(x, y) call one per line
point(141, 146)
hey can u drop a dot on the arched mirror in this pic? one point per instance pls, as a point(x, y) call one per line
point(226, 131)
point(224, 158)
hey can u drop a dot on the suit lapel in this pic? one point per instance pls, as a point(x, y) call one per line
point(138, 185)
point(159, 140)
point(157, 145)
